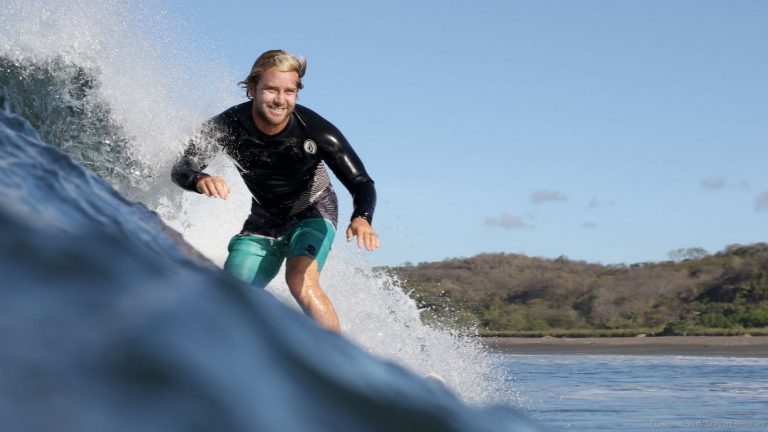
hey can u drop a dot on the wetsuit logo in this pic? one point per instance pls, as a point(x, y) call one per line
point(310, 146)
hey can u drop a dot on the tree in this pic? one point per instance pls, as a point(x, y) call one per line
point(683, 254)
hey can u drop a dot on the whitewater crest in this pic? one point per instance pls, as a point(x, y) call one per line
point(372, 307)
point(106, 77)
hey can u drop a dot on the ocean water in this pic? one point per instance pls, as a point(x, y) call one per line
point(641, 393)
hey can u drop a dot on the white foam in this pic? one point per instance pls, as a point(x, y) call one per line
point(144, 61)
point(372, 307)
point(638, 360)
point(376, 314)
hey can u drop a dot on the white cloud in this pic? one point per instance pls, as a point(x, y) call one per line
point(714, 183)
point(508, 222)
point(589, 225)
point(761, 203)
point(543, 196)
point(595, 203)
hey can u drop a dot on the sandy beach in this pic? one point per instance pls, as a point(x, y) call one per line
point(731, 346)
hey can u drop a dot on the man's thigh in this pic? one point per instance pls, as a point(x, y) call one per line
point(312, 238)
point(256, 260)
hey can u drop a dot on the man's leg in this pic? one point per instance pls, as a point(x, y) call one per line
point(254, 259)
point(309, 243)
point(303, 278)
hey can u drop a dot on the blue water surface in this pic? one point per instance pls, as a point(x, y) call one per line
point(641, 393)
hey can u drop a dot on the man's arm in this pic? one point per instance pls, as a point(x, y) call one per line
point(188, 171)
point(349, 169)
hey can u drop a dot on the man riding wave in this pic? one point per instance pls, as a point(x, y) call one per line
point(281, 151)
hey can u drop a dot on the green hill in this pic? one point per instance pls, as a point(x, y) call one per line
point(723, 293)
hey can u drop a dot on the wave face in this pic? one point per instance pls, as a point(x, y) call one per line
point(61, 101)
point(109, 324)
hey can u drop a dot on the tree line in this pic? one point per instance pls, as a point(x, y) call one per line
point(516, 293)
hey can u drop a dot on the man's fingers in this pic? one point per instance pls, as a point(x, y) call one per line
point(373, 242)
point(366, 237)
point(213, 187)
point(350, 234)
point(221, 189)
point(216, 189)
point(203, 187)
point(368, 241)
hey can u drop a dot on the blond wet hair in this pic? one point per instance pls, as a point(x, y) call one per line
point(280, 59)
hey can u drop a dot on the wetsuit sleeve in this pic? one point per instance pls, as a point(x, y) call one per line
point(193, 161)
point(349, 169)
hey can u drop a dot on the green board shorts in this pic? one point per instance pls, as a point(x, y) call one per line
point(256, 259)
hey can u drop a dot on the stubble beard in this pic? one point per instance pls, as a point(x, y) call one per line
point(262, 112)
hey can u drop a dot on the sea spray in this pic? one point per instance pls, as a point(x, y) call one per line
point(209, 223)
point(140, 62)
point(373, 309)
point(72, 117)
point(377, 314)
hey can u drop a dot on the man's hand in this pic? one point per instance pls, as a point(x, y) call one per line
point(213, 186)
point(365, 235)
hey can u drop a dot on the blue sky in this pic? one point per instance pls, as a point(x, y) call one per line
point(606, 131)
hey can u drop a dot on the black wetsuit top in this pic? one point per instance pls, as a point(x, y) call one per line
point(285, 173)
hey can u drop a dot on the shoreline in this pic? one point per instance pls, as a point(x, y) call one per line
point(720, 346)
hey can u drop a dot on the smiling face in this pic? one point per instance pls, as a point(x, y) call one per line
point(274, 98)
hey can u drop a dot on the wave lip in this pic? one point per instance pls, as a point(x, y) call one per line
point(107, 324)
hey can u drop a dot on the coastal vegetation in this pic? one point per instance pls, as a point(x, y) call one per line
point(696, 293)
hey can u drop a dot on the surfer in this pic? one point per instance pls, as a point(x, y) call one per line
point(281, 150)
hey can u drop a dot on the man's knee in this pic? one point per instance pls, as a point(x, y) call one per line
point(300, 272)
